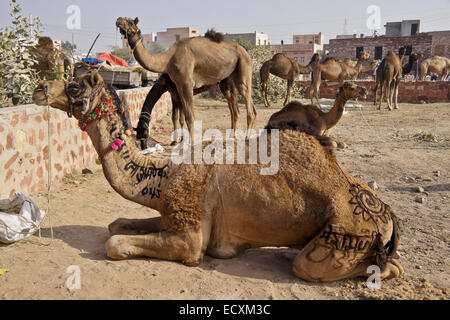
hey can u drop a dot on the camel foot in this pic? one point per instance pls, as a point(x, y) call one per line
point(393, 270)
point(118, 249)
point(124, 226)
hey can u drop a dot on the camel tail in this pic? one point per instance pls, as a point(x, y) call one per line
point(214, 35)
point(388, 252)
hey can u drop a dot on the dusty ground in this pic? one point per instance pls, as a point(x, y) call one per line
point(388, 147)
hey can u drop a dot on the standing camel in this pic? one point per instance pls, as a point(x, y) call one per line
point(436, 64)
point(389, 74)
point(197, 62)
point(333, 70)
point(285, 68)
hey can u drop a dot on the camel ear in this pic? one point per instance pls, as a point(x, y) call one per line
point(96, 79)
point(136, 21)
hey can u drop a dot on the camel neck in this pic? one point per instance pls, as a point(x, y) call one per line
point(135, 177)
point(335, 114)
point(153, 62)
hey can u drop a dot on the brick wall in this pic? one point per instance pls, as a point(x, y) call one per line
point(24, 149)
point(346, 48)
point(409, 91)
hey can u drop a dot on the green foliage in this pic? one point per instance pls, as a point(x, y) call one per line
point(124, 53)
point(17, 76)
point(245, 44)
point(156, 48)
point(428, 137)
point(277, 88)
point(68, 48)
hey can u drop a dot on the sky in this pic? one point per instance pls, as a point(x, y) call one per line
point(280, 19)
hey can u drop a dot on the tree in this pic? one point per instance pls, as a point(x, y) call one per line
point(68, 48)
point(123, 53)
point(156, 48)
point(276, 90)
point(18, 78)
point(245, 44)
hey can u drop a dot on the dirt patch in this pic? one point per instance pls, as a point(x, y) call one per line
point(400, 150)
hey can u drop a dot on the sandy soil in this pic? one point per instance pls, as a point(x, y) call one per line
point(386, 147)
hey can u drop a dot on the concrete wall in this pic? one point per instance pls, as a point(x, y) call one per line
point(409, 91)
point(24, 148)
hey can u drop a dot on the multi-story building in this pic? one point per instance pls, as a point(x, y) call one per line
point(171, 35)
point(255, 38)
point(303, 47)
point(403, 28)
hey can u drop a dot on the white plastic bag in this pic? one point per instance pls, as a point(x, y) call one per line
point(20, 217)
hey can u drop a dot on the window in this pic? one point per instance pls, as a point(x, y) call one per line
point(297, 41)
point(414, 28)
point(177, 37)
point(378, 53)
point(302, 60)
point(359, 51)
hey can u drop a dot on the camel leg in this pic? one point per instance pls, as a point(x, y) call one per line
point(381, 95)
point(265, 76)
point(288, 93)
point(186, 94)
point(320, 261)
point(397, 83)
point(124, 226)
point(185, 246)
point(243, 82)
point(177, 115)
point(390, 94)
point(230, 93)
point(375, 94)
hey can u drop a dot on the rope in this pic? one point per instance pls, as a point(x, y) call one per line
point(48, 184)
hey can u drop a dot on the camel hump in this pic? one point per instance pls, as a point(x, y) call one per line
point(214, 35)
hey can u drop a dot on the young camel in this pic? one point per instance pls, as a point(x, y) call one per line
point(195, 63)
point(333, 70)
point(285, 68)
point(312, 119)
point(336, 221)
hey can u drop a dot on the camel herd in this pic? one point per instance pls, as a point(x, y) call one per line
point(337, 223)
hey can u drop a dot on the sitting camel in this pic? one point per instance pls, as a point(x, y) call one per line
point(333, 70)
point(195, 63)
point(285, 68)
point(312, 119)
point(436, 64)
point(336, 221)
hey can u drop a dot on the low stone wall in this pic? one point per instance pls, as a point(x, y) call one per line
point(24, 147)
point(409, 91)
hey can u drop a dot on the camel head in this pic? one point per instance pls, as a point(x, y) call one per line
point(414, 57)
point(77, 98)
point(364, 56)
point(350, 91)
point(128, 27)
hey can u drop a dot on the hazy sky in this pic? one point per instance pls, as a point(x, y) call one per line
point(280, 19)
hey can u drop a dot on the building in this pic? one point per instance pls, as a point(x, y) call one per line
point(427, 44)
point(147, 40)
point(171, 35)
point(404, 28)
point(303, 47)
point(255, 38)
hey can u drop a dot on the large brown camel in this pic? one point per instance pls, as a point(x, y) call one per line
point(313, 120)
point(336, 221)
point(51, 63)
point(436, 64)
point(388, 75)
point(197, 62)
point(285, 68)
point(333, 70)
